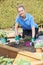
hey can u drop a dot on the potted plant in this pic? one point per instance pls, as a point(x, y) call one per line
point(3, 36)
point(38, 45)
point(27, 38)
point(27, 41)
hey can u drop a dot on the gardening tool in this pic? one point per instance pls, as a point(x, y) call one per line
point(17, 40)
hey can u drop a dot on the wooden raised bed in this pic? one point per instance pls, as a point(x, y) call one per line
point(15, 53)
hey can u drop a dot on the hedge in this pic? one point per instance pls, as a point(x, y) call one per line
point(8, 11)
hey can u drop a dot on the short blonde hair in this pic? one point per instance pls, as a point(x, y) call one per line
point(20, 7)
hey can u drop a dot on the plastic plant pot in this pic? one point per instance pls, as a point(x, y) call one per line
point(38, 49)
point(3, 40)
point(38, 46)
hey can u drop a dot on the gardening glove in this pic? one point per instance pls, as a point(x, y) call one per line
point(32, 40)
point(17, 39)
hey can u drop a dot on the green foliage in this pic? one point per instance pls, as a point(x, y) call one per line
point(38, 45)
point(27, 38)
point(6, 61)
point(8, 11)
point(21, 61)
point(3, 34)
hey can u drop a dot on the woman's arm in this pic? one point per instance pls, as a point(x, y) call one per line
point(16, 29)
point(33, 31)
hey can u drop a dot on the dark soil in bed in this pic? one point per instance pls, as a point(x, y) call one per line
point(22, 46)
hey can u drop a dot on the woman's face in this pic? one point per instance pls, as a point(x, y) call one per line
point(21, 11)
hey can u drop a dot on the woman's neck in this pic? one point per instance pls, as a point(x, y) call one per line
point(24, 16)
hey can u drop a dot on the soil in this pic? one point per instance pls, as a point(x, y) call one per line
point(22, 46)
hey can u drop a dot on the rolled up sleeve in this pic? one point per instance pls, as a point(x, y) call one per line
point(32, 22)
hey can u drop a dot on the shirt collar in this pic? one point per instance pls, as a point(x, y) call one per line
point(25, 18)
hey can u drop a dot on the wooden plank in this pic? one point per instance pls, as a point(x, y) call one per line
point(24, 57)
point(32, 60)
point(22, 52)
point(37, 63)
point(15, 53)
